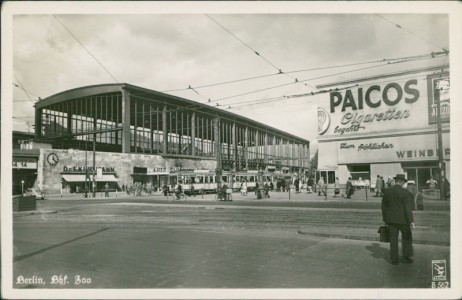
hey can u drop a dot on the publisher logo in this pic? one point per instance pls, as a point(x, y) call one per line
point(439, 270)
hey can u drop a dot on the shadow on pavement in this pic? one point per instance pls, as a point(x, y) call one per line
point(21, 257)
point(377, 251)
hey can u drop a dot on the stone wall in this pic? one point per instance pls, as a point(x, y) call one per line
point(123, 163)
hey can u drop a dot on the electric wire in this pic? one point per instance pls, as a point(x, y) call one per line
point(295, 71)
point(83, 46)
point(413, 33)
point(314, 93)
point(320, 77)
point(257, 53)
point(21, 87)
point(390, 60)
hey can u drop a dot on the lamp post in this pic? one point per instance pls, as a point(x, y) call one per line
point(22, 187)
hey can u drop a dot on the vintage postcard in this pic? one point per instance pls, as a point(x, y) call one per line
point(231, 150)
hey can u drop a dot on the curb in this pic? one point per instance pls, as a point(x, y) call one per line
point(367, 238)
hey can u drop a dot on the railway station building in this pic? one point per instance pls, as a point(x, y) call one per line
point(118, 134)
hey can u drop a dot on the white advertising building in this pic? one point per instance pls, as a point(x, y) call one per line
point(384, 125)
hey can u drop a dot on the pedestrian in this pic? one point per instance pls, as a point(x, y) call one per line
point(266, 187)
point(165, 189)
point(397, 214)
point(223, 192)
point(336, 187)
point(193, 192)
point(389, 182)
point(419, 200)
point(413, 190)
point(297, 185)
point(349, 188)
point(271, 186)
point(178, 190)
point(310, 185)
point(106, 190)
point(383, 185)
point(244, 188)
point(378, 186)
point(321, 186)
point(431, 183)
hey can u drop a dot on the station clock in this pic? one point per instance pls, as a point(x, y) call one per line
point(52, 158)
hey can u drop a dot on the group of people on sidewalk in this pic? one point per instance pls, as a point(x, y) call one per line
point(349, 188)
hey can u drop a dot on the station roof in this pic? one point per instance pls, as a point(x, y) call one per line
point(92, 90)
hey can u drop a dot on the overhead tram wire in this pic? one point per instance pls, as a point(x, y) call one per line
point(295, 71)
point(324, 76)
point(413, 33)
point(21, 87)
point(390, 60)
point(316, 93)
point(86, 49)
point(295, 96)
point(257, 53)
point(420, 57)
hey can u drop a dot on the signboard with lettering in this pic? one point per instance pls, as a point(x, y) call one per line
point(392, 149)
point(80, 169)
point(392, 105)
point(439, 83)
point(24, 163)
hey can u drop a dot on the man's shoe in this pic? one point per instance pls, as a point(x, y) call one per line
point(407, 260)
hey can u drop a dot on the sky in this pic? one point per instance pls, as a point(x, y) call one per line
point(168, 52)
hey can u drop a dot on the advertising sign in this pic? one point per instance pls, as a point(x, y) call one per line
point(383, 106)
point(24, 163)
point(438, 83)
point(392, 149)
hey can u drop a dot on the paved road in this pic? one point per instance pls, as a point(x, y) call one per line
point(127, 243)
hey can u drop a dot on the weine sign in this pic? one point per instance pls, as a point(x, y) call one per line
point(391, 149)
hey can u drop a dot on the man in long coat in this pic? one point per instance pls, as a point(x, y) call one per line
point(397, 214)
point(378, 186)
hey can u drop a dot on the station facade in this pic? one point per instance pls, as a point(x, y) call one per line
point(385, 125)
point(117, 134)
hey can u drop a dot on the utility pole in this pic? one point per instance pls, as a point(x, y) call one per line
point(86, 167)
point(436, 89)
point(219, 170)
point(94, 165)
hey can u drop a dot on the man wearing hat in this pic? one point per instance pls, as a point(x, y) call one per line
point(397, 214)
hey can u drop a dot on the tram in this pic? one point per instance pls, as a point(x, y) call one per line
point(205, 181)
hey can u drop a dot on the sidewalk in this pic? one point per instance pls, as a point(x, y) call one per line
point(359, 196)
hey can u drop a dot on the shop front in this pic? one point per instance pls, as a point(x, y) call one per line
point(77, 179)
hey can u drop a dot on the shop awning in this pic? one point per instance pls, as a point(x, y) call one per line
point(74, 177)
point(81, 178)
